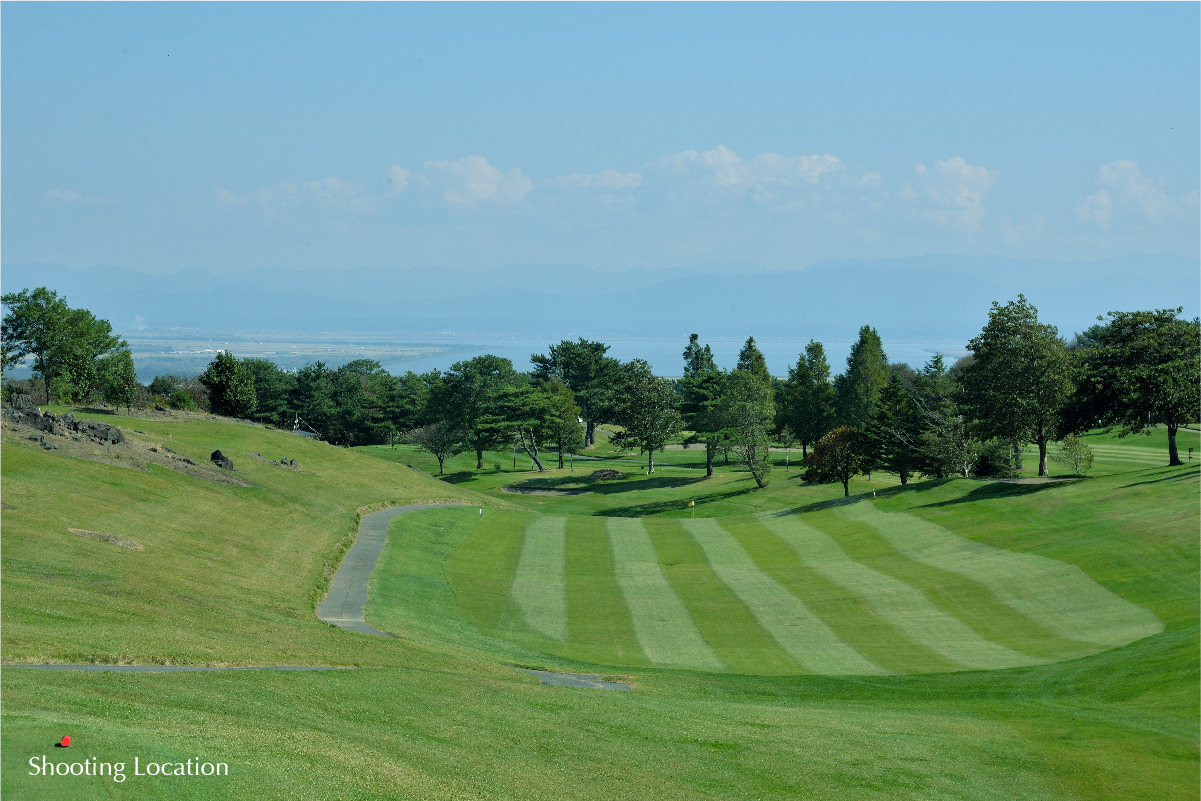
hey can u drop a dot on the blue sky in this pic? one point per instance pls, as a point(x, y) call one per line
point(229, 137)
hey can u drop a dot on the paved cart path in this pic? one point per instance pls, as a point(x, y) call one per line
point(343, 607)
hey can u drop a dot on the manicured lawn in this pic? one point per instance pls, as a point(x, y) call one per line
point(228, 574)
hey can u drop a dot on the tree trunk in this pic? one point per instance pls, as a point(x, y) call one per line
point(1042, 457)
point(560, 457)
point(804, 449)
point(710, 449)
point(1173, 453)
point(479, 460)
point(904, 474)
point(531, 449)
point(589, 433)
point(846, 488)
point(650, 461)
point(441, 460)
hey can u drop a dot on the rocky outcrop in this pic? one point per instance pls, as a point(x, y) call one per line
point(221, 460)
point(22, 409)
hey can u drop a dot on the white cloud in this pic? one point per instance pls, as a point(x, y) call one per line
point(73, 197)
point(397, 179)
point(767, 177)
point(471, 180)
point(609, 179)
point(953, 191)
point(1124, 192)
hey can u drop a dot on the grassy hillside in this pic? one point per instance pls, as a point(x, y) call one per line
point(228, 573)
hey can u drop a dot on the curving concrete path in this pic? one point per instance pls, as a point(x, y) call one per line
point(343, 607)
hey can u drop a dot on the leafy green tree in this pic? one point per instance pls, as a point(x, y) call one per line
point(406, 399)
point(1075, 454)
point(272, 389)
point(525, 411)
point(838, 456)
point(120, 379)
point(474, 389)
point(32, 325)
point(747, 408)
point(857, 390)
point(750, 360)
point(644, 405)
point(439, 438)
point(1140, 369)
point(562, 421)
point(312, 401)
point(1020, 378)
point(231, 386)
point(584, 367)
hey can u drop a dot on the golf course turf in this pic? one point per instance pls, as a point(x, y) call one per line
point(950, 639)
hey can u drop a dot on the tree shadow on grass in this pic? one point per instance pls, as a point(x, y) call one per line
point(93, 410)
point(612, 487)
point(1178, 476)
point(676, 505)
point(458, 478)
point(995, 490)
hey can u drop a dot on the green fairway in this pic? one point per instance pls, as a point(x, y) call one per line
point(978, 640)
point(960, 603)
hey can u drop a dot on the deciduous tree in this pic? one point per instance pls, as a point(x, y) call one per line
point(747, 409)
point(230, 385)
point(1019, 380)
point(1137, 370)
point(644, 405)
point(838, 456)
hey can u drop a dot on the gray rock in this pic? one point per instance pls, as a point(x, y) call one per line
point(158, 408)
point(100, 432)
point(222, 461)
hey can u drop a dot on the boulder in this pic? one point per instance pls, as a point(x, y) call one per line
point(222, 461)
point(99, 432)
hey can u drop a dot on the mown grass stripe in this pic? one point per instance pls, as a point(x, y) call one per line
point(955, 594)
point(598, 623)
point(1056, 595)
point(902, 605)
point(850, 617)
point(481, 569)
point(664, 628)
point(805, 637)
point(722, 619)
point(540, 586)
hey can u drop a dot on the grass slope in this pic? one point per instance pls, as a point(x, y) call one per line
point(227, 573)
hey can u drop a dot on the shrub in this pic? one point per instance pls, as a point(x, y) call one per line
point(183, 400)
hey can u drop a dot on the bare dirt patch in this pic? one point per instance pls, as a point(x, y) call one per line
point(110, 538)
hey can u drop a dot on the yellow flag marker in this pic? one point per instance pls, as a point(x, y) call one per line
point(691, 504)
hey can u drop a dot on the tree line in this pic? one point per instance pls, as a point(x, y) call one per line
point(1021, 386)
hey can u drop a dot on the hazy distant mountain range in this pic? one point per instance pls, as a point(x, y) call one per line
point(932, 298)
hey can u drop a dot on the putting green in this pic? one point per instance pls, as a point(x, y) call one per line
point(847, 590)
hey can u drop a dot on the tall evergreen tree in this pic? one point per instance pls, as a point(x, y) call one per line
point(859, 387)
point(697, 360)
point(702, 388)
point(751, 360)
point(808, 397)
point(584, 367)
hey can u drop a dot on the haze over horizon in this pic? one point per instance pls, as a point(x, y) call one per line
point(634, 170)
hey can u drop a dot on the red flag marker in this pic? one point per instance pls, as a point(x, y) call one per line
point(66, 743)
